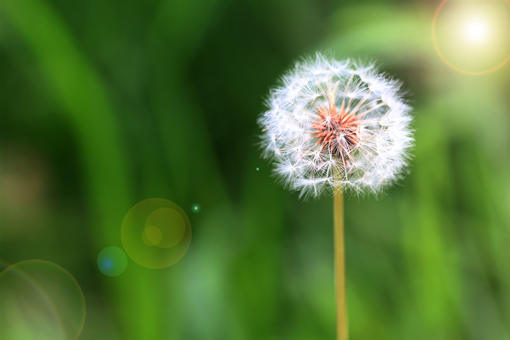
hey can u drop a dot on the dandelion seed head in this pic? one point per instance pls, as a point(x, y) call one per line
point(336, 124)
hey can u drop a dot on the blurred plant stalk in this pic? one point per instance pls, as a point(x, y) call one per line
point(341, 297)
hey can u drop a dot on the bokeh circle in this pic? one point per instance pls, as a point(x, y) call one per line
point(40, 300)
point(156, 233)
point(112, 261)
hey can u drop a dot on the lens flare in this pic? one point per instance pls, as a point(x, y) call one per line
point(112, 261)
point(40, 300)
point(196, 208)
point(472, 37)
point(476, 30)
point(156, 233)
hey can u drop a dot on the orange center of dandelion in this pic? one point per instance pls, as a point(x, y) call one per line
point(336, 131)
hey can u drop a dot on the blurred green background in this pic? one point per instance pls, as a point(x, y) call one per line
point(106, 103)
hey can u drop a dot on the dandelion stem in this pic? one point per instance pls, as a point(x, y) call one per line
point(341, 303)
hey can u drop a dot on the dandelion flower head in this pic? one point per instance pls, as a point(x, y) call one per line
point(335, 124)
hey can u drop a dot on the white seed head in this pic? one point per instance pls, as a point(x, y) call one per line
point(335, 124)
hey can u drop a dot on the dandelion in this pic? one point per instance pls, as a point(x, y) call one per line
point(334, 126)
